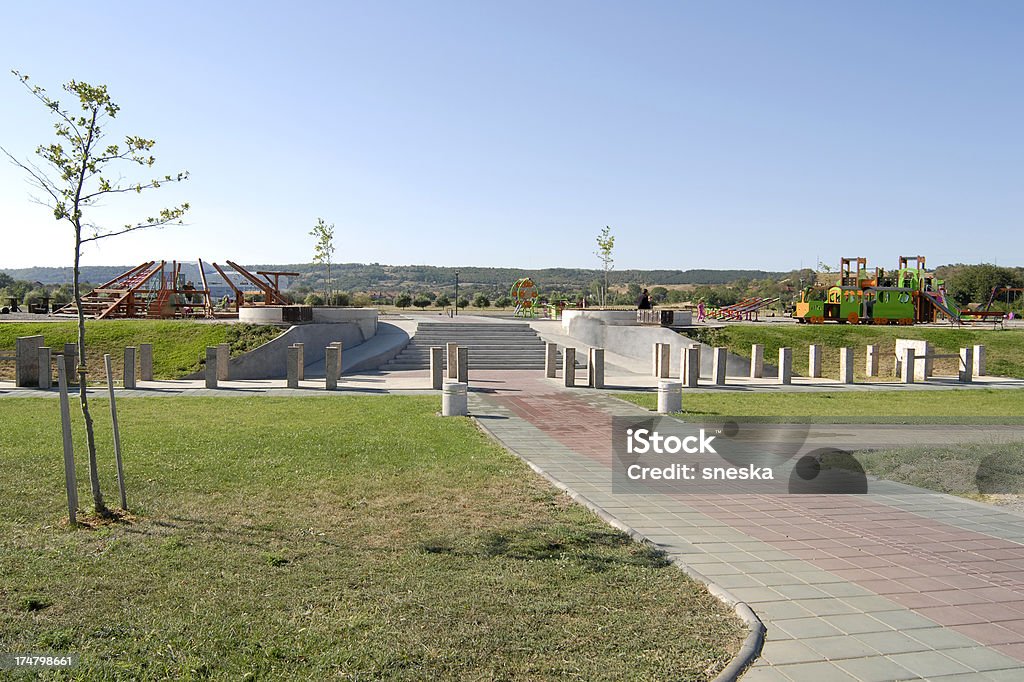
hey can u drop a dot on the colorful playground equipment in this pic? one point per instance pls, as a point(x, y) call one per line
point(525, 297)
point(905, 296)
point(159, 290)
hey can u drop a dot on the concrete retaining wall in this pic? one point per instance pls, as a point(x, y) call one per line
point(364, 318)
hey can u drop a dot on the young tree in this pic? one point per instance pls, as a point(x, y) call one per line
point(403, 301)
point(605, 245)
point(481, 300)
point(86, 173)
point(323, 250)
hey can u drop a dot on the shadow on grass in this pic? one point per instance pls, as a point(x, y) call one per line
point(595, 550)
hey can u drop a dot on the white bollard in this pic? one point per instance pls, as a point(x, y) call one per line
point(785, 365)
point(595, 368)
point(979, 361)
point(129, 367)
point(966, 373)
point(454, 399)
point(846, 365)
point(718, 365)
point(211, 366)
point(45, 368)
point(223, 360)
point(907, 365)
point(814, 362)
point(550, 360)
point(670, 397)
point(332, 366)
point(655, 359)
point(757, 361)
point(569, 366)
point(691, 363)
point(436, 367)
point(871, 361)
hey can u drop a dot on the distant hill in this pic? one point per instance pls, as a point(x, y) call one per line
point(377, 277)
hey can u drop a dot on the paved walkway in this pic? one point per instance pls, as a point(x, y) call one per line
point(885, 586)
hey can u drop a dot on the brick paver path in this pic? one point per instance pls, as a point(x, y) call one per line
point(886, 586)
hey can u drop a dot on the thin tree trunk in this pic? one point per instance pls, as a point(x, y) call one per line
point(94, 474)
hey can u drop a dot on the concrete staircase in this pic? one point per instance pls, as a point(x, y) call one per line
point(491, 346)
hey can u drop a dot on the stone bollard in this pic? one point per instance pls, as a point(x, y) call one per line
point(718, 365)
point(210, 372)
point(26, 361)
point(550, 360)
point(757, 361)
point(436, 367)
point(656, 360)
point(463, 366)
point(145, 362)
point(595, 368)
point(907, 365)
point(966, 374)
point(129, 367)
point(569, 366)
point(332, 367)
point(871, 361)
point(302, 360)
point(979, 361)
point(664, 360)
point(785, 366)
point(341, 354)
point(454, 399)
point(71, 363)
point(814, 362)
point(45, 368)
point(223, 361)
point(691, 362)
point(451, 351)
point(670, 397)
point(846, 365)
point(293, 367)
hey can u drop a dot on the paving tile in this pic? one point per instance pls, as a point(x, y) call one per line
point(839, 647)
point(858, 623)
point(876, 669)
point(929, 664)
point(788, 651)
point(805, 628)
point(815, 672)
point(982, 659)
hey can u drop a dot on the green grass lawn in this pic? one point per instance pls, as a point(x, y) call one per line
point(308, 538)
point(1003, 406)
point(1003, 347)
point(177, 344)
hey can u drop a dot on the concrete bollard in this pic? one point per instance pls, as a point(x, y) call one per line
point(302, 360)
point(145, 362)
point(907, 365)
point(332, 367)
point(664, 360)
point(871, 361)
point(463, 366)
point(979, 361)
point(454, 399)
point(718, 365)
point(814, 362)
point(129, 367)
point(45, 367)
point(293, 367)
point(211, 372)
point(451, 351)
point(670, 397)
point(436, 367)
point(223, 361)
point(550, 360)
point(846, 365)
point(71, 363)
point(595, 368)
point(785, 366)
point(656, 360)
point(691, 362)
point(757, 361)
point(569, 366)
point(26, 361)
point(341, 354)
point(966, 373)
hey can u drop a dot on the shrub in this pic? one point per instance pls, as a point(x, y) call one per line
point(403, 301)
point(481, 301)
point(314, 299)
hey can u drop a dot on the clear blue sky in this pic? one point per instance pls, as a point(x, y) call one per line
point(707, 134)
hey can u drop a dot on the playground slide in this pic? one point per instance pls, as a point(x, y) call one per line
point(939, 301)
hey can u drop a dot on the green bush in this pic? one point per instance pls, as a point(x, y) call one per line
point(314, 299)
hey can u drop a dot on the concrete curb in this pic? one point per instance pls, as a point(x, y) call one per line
point(752, 643)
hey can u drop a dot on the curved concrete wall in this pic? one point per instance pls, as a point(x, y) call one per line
point(610, 317)
point(364, 318)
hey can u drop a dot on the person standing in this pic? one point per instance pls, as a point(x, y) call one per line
point(644, 302)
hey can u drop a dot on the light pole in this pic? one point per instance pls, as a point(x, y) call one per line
point(456, 293)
